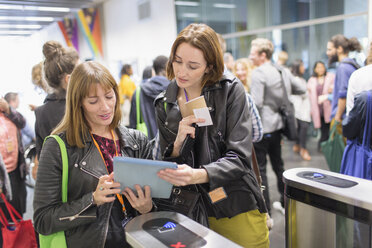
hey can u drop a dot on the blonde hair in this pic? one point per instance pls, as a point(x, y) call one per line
point(248, 66)
point(204, 38)
point(83, 77)
point(37, 77)
point(263, 46)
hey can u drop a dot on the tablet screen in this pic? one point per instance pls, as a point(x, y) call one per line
point(131, 171)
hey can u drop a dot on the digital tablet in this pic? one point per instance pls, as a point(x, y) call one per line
point(131, 171)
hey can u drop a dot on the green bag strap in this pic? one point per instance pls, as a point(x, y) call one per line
point(64, 156)
point(138, 109)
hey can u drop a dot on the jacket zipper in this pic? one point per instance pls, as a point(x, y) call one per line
point(206, 136)
point(71, 218)
point(88, 172)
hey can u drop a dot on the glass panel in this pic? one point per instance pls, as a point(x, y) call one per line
point(231, 16)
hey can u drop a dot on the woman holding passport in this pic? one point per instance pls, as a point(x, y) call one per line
point(96, 211)
point(214, 150)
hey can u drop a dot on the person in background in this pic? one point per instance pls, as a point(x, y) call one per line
point(229, 62)
point(11, 150)
point(320, 85)
point(219, 159)
point(149, 91)
point(96, 212)
point(359, 81)
point(147, 73)
point(58, 65)
point(301, 105)
point(38, 80)
point(267, 93)
point(126, 90)
point(282, 58)
point(27, 133)
point(243, 69)
point(338, 48)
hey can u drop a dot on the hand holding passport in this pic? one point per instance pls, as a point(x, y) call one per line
point(198, 107)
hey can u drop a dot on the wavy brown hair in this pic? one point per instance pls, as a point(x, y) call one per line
point(83, 78)
point(204, 38)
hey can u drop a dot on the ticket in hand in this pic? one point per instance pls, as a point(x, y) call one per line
point(198, 107)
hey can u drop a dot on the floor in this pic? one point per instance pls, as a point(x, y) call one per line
point(291, 160)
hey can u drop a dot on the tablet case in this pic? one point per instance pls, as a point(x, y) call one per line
point(131, 171)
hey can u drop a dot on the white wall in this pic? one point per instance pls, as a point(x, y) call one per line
point(128, 40)
point(125, 40)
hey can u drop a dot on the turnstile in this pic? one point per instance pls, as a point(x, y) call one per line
point(169, 229)
point(327, 209)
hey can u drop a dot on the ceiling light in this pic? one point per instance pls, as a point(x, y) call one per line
point(27, 18)
point(52, 9)
point(21, 26)
point(186, 3)
point(25, 7)
point(224, 6)
point(15, 32)
point(190, 15)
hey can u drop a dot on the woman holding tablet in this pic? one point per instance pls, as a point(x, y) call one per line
point(218, 161)
point(96, 212)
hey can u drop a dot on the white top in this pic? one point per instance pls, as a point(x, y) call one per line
point(301, 103)
point(359, 81)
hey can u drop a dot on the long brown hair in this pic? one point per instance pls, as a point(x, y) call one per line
point(83, 77)
point(204, 38)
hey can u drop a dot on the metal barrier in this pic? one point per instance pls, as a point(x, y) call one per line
point(327, 209)
point(169, 229)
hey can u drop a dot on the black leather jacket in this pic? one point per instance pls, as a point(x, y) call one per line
point(84, 223)
point(223, 149)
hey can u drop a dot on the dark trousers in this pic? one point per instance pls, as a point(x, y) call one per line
point(324, 131)
point(19, 192)
point(302, 127)
point(270, 145)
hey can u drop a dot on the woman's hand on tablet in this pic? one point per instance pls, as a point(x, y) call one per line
point(106, 190)
point(142, 202)
point(184, 175)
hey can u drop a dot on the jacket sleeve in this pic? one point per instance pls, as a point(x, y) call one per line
point(50, 214)
point(17, 118)
point(351, 125)
point(133, 112)
point(298, 88)
point(258, 88)
point(235, 161)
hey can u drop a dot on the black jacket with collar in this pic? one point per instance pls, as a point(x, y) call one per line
point(223, 149)
point(84, 223)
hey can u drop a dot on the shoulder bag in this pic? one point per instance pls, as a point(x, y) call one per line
point(58, 239)
point(357, 158)
point(286, 110)
point(141, 125)
point(18, 234)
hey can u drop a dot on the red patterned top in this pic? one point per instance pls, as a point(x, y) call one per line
point(107, 147)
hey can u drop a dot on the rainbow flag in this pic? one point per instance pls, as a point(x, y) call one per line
point(69, 31)
point(89, 23)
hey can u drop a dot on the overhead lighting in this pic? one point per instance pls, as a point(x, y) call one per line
point(186, 3)
point(21, 26)
point(52, 9)
point(15, 32)
point(27, 18)
point(25, 7)
point(190, 15)
point(224, 5)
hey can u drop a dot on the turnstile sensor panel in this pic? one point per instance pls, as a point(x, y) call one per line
point(173, 234)
point(327, 179)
